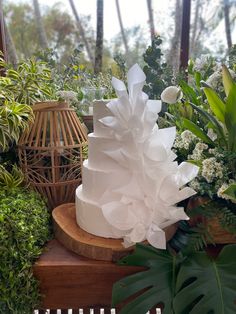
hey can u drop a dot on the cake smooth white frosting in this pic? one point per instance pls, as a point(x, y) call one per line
point(131, 181)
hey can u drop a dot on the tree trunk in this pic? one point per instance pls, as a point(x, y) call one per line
point(39, 24)
point(81, 30)
point(11, 49)
point(227, 23)
point(185, 31)
point(122, 28)
point(173, 56)
point(99, 39)
point(195, 27)
point(2, 36)
point(151, 20)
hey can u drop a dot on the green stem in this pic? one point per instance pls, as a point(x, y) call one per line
point(219, 285)
point(173, 280)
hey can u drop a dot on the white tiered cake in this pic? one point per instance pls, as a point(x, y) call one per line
point(99, 172)
point(131, 182)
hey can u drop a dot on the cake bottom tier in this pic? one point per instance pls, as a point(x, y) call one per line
point(90, 218)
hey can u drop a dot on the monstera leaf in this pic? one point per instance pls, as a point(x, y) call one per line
point(156, 280)
point(205, 285)
point(192, 284)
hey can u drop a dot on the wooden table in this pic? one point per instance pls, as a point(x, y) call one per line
point(70, 281)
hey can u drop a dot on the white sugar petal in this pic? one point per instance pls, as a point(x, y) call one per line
point(118, 215)
point(156, 237)
point(138, 233)
point(119, 87)
point(186, 172)
point(154, 106)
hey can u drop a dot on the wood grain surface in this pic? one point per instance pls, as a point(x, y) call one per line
point(81, 242)
point(68, 280)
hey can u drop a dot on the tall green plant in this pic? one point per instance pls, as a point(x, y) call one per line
point(158, 74)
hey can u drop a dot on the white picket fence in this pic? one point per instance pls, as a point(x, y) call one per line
point(69, 311)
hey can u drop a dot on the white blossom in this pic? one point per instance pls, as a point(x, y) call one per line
point(194, 184)
point(184, 139)
point(171, 95)
point(201, 63)
point(198, 150)
point(211, 169)
point(211, 134)
point(67, 95)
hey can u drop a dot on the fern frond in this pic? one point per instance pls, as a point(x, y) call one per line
point(190, 239)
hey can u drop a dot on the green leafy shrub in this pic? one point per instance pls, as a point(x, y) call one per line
point(158, 73)
point(24, 228)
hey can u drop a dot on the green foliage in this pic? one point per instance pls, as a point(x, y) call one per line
point(158, 74)
point(24, 228)
point(231, 192)
point(183, 285)
point(157, 281)
point(204, 285)
point(28, 83)
point(14, 118)
point(223, 210)
point(188, 239)
point(11, 179)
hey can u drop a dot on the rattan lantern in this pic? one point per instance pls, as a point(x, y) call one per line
point(51, 152)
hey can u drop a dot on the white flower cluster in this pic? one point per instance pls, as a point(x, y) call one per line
point(198, 150)
point(201, 63)
point(194, 184)
point(67, 95)
point(215, 152)
point(184, 140)
point(211, 169)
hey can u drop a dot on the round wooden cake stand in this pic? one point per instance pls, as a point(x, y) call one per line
point(81, 242)
point(86, 244)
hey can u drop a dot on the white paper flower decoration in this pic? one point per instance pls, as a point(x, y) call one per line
point(147, 203)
